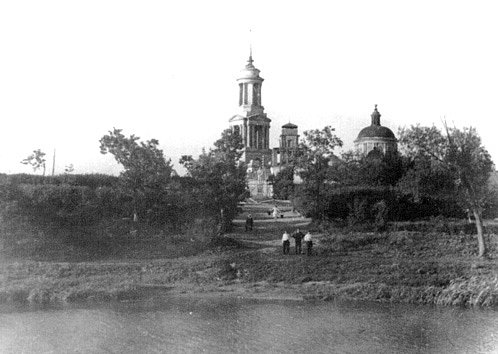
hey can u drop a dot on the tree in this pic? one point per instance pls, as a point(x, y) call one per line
point(313, 163)
point(355, 169)
point(69, 168)
point(219, 178)
point(283, 183)
point(36, 160)
point(146, 171)
point(459, 155)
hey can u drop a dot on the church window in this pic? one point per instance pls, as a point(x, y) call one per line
point(255, 94)
point(259, 135)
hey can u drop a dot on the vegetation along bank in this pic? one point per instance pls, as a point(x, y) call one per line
point(414, 226)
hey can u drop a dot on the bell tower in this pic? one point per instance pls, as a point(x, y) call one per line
point(251, 121)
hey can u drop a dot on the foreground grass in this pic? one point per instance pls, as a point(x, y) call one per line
point(412, 267)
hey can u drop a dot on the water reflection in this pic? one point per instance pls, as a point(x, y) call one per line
point(214, 325)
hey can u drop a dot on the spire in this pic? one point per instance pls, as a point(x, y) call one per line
point(250, 48)
point(375, 117)
point(249, 61)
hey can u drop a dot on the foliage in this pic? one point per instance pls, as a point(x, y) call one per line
point(36, 160)
point(361, 204)
point(69, 168)
point(454, 164)
point(146, 172)
point(62, 204)
point(218, 179)
point(55, 212)
point(314, 160)
point(283, 183)
point(92, 180)
point(355, 169)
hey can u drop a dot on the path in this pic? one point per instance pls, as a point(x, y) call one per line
point(267, 231)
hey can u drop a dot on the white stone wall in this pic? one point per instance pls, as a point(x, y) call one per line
point(364, 146)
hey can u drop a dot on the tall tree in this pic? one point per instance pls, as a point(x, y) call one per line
point(283, 183)
point(219, 178)
point(36, 160)
point(459, 155)
point(316, 154)
point(146, 171)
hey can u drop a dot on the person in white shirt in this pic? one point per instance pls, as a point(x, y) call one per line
point(309, 243)
point(286, 242)
point(275, 212)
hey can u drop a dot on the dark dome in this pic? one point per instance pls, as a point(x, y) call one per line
point(376, 131)
point(289, 126)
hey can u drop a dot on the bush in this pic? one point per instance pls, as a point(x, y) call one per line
point(90, 209)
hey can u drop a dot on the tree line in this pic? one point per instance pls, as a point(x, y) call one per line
point(434, 172)
point(148, 194)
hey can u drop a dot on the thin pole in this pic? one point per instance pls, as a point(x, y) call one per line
point(53, 164)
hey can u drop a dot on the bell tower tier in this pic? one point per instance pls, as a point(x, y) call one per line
point(251, 121)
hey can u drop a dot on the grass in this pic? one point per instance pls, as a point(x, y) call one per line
point(402, 266)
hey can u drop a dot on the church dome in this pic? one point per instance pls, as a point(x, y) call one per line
point(375, 130)
point(249, 72)
point(289, 126)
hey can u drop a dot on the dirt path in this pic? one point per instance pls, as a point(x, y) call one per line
point(267, 231)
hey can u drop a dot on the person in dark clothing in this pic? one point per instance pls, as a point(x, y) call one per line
point(285, 243)
point(298, 237)
point(309, 243)
point(249, 222)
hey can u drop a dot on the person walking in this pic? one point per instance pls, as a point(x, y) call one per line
point(309, 243)
point(275, 212)
point(298, 237)
point(285, 242)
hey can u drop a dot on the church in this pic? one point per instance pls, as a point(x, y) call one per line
point(262, 161)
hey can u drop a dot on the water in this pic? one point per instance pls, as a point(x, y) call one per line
point(221, 325)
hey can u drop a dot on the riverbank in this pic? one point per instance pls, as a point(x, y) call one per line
point(405, 266)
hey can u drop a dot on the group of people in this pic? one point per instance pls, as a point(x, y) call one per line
point(298, 237)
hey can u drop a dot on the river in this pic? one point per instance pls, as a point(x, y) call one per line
point(234, 325)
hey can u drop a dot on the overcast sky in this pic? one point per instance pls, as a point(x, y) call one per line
point(70, 71)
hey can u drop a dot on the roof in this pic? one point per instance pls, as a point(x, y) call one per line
point(250, 72)
point(289, 126)
point(376, 131)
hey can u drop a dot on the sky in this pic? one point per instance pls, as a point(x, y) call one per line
point(70, 71)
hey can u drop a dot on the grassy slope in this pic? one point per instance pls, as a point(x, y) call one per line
point(403, 266)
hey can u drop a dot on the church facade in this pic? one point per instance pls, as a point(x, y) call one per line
point(262, 161)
